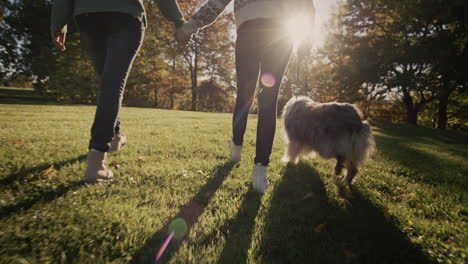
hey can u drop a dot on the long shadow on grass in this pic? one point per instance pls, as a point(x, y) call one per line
point(239, 230)
point(423, 134)
point(44, 194)
point(422, 166)
point(189, 212)
point(304, 227)
point(24, 172)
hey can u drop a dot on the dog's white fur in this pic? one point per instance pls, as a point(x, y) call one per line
point(332, 130)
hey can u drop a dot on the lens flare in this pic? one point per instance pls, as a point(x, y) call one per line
point(163, 247)
point(179, 227)
point(268, 80)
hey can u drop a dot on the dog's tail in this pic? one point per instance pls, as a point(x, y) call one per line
point(363, 144)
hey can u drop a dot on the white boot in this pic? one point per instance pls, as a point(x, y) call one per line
point(117, 142)
point(96, 171)
point(235, 152)
point(259, 178)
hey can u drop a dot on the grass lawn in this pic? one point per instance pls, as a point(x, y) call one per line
point(409, 205)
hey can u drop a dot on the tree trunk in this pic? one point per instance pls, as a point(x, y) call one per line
point(40, 88)
point(411, 112)
point(172, 81)
point(195, 81)
point(156, 99)
point(172, 101)
point(194, 92)
point(442, 108)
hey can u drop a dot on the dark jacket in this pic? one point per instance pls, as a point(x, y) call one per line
point(64, 10)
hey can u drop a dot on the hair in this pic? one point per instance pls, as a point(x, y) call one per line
point(332, 130)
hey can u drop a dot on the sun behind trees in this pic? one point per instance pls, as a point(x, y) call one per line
point(401, 61)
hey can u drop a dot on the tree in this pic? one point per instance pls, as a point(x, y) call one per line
point(11, 57)
point(446, 49)
point(210, 53)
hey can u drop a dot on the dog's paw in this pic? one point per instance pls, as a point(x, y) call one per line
point(348, 181)
point(287, 159)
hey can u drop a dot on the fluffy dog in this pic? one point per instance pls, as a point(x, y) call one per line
point(333, 130)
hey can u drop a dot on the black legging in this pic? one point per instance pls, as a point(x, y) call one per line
point(262, 49)
point(112, 40)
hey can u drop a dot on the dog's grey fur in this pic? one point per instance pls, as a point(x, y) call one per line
point(333, 130)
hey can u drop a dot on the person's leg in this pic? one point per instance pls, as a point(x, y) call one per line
point(123, 43)
point(273, 65)
point(247, 69)
point(93, 39)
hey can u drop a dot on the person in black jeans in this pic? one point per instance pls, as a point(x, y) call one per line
point(112, 47)
point(112, 40)
point(263, 50)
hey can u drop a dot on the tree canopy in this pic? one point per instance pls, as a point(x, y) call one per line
point(399, 60)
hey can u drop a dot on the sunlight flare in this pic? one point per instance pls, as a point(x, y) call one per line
point(300, 28)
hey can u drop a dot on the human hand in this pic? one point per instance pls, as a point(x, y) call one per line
point(181, 37)
point(58, 39)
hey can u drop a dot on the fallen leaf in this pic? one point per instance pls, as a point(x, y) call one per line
point(308, 195)
point(411, 195)
point(350, 254)
point(141, 158)
point(115, 163)
point(49, 171)
point(19, 142)
point(319, 228)
point(200, 172)
point(451, 241)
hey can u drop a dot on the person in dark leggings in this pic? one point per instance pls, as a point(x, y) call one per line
point(112, 32)
point(263, 50)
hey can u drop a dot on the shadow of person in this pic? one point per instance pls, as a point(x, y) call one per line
point(44, 194)
point(304, 226)
point(239, 230)
point(189, 213)
point(22, 173)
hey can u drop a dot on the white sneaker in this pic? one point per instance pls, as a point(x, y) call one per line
point(235, 152)
point(117, 142)
point(96, 170)
point(259, 178)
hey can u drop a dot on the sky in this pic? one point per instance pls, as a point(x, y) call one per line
point(323, 10)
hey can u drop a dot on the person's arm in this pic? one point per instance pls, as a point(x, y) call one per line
point(171, 11)
point(62, 11)
point(205, 16)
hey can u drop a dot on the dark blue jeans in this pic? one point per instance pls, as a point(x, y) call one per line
point(263, 50)
point(112, 41)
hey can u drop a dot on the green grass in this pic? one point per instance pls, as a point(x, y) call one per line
point(409, 205)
